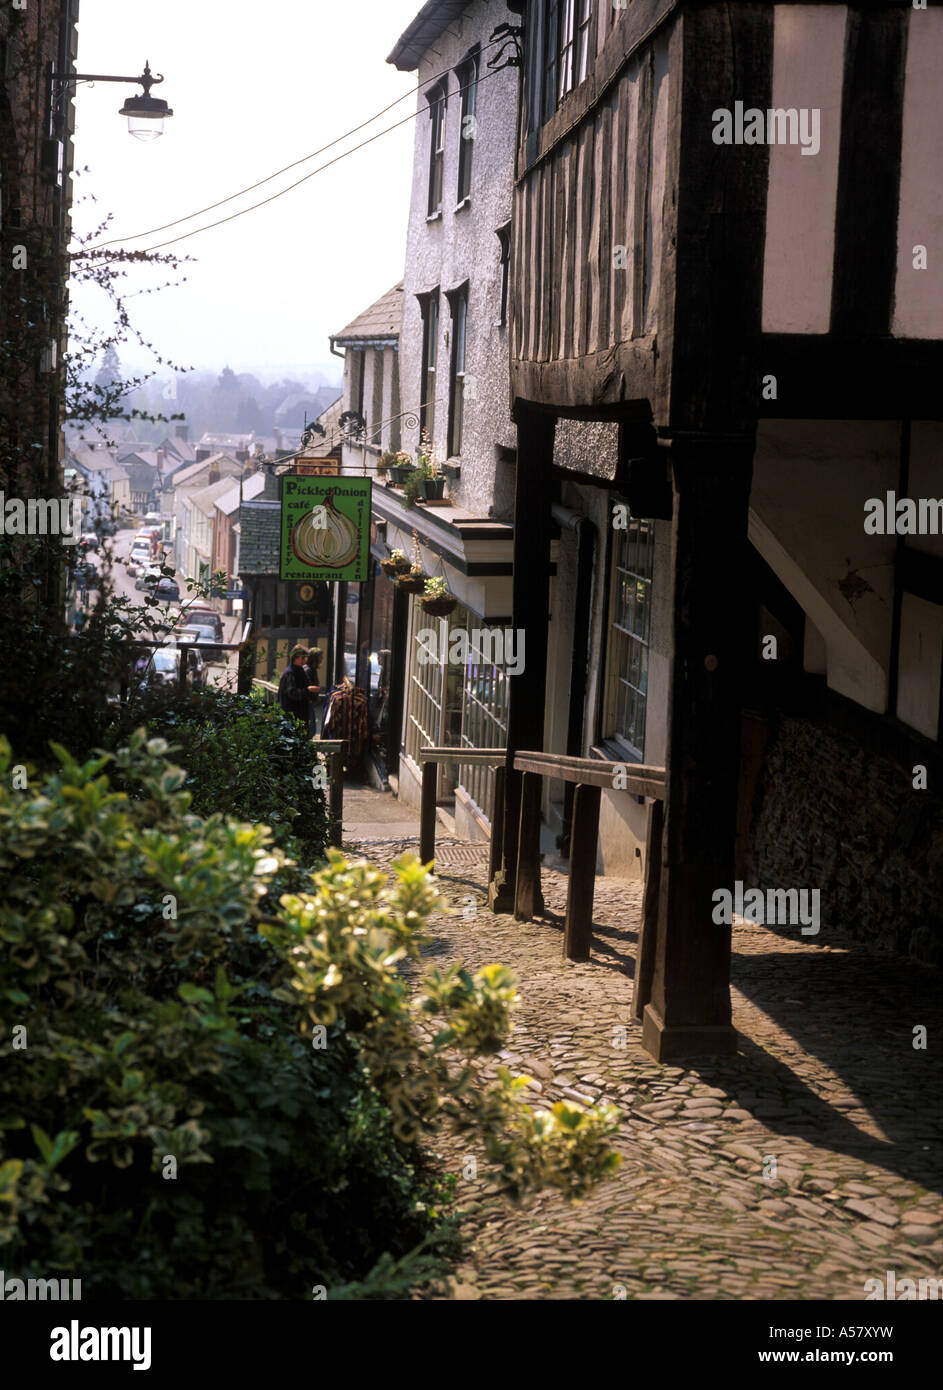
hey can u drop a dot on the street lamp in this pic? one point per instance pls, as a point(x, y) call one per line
point(146, 114)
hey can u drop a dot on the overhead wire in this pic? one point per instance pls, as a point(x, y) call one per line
point(429, 81)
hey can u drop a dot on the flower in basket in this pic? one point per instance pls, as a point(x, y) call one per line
point(395, 563)
point(436, 598)
point(386, 461)
point(403, 459)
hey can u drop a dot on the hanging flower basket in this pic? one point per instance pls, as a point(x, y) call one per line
point(412, 583)
point(438, 607)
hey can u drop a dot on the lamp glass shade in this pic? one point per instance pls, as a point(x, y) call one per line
point(146, 127)
point(145, 116)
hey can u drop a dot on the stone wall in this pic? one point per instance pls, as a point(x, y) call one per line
point(829, 814)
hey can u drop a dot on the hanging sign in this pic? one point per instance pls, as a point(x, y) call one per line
point(325, 532)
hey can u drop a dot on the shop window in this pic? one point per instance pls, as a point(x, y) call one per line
point(458, 302)
point(467, 75)
point(436, 148)
point(629, 638)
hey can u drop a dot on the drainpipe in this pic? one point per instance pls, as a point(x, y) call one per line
point(579, 661)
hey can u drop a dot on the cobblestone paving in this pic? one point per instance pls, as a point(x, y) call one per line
point(826, 1082)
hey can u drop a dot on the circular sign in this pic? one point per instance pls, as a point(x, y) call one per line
point(307, 593)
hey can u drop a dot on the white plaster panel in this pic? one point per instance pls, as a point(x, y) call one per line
point(808, 62)
point(921, 661)
point(811, 479)
point(918, 308)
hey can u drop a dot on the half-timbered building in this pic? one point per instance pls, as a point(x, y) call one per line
point(726, 306)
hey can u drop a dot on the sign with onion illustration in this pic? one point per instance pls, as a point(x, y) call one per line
point(325, 528)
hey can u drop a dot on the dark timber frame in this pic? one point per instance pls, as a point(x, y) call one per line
point(585, 344)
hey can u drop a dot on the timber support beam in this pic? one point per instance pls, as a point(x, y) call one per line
point(688, 1009)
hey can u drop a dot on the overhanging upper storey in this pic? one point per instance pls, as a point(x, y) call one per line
point(712, 194)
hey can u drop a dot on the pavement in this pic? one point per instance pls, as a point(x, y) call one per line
point(799, 1168)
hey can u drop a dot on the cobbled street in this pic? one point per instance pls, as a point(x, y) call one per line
point(826, 1083)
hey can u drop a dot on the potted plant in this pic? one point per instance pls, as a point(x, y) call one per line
point(436, 600)
point(401, 469)
point(413, 484)
point(395, 563)
point(431, 484)
point(385, 462)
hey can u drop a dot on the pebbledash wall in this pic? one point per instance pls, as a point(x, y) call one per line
point(830, 814)
point(462, 244)
point(459, 244)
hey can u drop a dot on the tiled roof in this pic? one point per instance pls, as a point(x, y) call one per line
point(174, 444)
point(205, 499)
point(181, 476)
point(382, 320)
point(251, 487)
point(100, 432)
point(431, 21)
point(260, 537)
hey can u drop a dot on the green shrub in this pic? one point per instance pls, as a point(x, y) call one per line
point(205, 1098)
point(250, 760)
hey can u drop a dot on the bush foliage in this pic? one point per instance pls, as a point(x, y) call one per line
point(208, 1094)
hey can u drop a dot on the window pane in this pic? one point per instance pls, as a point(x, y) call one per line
point(629, 635)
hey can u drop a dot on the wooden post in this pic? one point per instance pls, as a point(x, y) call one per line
point(689, 1013)
point(430, 787)
point(578, 932)
point(497, 822)
point(648, 932)
point(336, 778)
point(528, 899)
point(184, 651)
point(531, 605)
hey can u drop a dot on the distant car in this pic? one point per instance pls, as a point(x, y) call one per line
point(167, 589)
point(196, 615)
point(204, 636)
point(147, 578)
point(88, 541)
point(163, 667)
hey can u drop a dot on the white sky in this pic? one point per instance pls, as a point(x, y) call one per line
point(254, 85)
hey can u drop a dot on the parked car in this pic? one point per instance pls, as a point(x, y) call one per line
point(167, 589)
point(147, 578)
point(206, 638)
point(197, 614)
point(88, 541)
point(163, 667)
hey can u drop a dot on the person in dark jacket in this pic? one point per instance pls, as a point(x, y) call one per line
point(293, 686)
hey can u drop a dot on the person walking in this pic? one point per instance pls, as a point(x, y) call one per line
point(293, 686)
